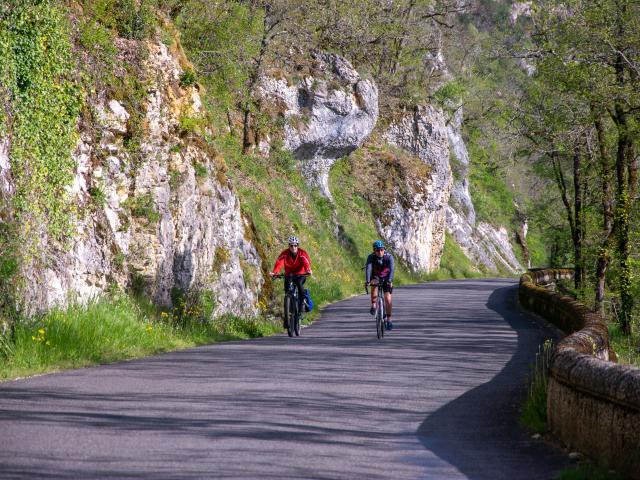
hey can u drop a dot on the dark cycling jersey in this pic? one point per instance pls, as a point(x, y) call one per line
point(380, 267)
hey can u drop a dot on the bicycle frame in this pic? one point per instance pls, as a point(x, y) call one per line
point(381, 321)
point(292, 312)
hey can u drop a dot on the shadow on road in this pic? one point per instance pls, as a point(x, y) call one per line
point(478, 433)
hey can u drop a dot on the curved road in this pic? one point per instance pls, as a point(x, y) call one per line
point(436, 399)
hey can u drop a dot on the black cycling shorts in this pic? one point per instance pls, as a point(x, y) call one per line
point(384, 282)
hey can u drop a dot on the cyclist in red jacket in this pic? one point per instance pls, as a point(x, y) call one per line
point(297, 264)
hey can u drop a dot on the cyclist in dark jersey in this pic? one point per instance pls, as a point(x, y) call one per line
point(380, 267)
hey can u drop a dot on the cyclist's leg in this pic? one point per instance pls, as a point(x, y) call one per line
point(300, 284)
point(287, 283)
point(374, 296)
point(388, 302)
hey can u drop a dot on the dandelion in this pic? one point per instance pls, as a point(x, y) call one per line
point(41, 331)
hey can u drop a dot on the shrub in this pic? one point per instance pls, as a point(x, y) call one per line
point(143, 207)
point(130, 20)
point(188, 78)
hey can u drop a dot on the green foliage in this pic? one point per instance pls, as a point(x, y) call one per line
point(188, 78)
point(492, 199)
point(222, 38)
point(534, 414)
point(454, 263)
point(131, 19)
point(281, 158)
point(189, 125)
point(451, 94)
point(97, 40)
point(627, 347)
point(43, 101)
point(143, 206)
point(113, 329)
point(98, 196)
point(194, 306)
point(200, 170)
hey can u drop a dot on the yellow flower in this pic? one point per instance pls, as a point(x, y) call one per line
point(32, 337)
point(149, 328)
point(41, 331)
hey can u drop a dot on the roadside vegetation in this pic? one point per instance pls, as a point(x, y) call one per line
point(117, 327)
point(534, 411)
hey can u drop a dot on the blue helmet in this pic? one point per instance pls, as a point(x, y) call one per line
point(378, 244)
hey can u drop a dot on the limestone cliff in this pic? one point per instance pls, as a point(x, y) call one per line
point(328, 114)
point(159, 217)
point(417, 221)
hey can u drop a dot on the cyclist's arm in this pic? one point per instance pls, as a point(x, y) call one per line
point(306, 264)
point(391, 268)
point(369, 268)
point(278, 266)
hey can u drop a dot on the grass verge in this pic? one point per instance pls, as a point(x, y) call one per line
point(627, 347)
point(109, 330)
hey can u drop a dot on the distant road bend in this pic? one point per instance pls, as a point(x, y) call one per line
point(436, 399)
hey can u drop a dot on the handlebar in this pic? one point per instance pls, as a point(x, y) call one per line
point(282, 275)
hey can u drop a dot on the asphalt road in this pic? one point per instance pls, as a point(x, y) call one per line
point(436, 399)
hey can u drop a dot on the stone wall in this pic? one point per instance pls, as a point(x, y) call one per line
point(593, 404)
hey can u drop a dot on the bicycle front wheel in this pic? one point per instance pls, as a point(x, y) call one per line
point(379, 323)
point(296, 324)
point(289, 314)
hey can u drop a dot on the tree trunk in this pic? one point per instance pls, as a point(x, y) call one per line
point(578, 220)
point(607, 212)
point(248, 137)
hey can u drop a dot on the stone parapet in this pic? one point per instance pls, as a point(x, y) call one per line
point(593, 404)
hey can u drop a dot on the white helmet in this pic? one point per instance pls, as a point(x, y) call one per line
point(294, 240)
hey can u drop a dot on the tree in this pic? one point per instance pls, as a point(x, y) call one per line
point(591, 51)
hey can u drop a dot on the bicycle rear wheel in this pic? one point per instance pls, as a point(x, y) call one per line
point(289, 314)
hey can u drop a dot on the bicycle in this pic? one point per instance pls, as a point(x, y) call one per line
point(381, 321)
point(292, 316)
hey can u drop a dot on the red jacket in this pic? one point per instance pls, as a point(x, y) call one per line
point(298, 265)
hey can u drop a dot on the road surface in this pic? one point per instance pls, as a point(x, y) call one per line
point(437, 398)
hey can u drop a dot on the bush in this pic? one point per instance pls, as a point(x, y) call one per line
point(126, 17)
point(188, 78)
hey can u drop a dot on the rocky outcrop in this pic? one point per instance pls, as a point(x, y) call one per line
point(159, 217)
point(416, 221)
point(6, 186)
point(328, 114)
point(484, 244)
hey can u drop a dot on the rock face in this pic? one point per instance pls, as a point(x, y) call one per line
point(163, 218)
point(482, 243)
point(417, 221)
point(327, 116)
